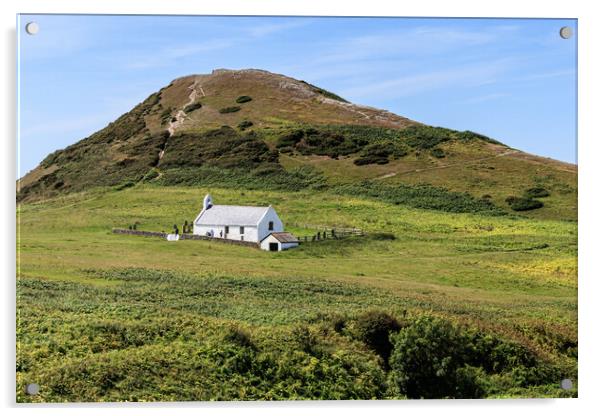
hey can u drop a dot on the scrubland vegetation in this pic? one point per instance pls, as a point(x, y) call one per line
point(447, 305)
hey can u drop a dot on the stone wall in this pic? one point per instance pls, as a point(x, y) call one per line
point(184, 237)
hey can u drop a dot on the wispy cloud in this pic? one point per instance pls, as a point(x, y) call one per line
point(546, 75)
point(469, 76)
point(166, 56)
point(415, 41)
point(262, 30)
point(485, 98)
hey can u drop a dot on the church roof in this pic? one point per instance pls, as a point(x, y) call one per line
point(231, 215)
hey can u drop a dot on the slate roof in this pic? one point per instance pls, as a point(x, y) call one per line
point(284, 237)
point(231, 215)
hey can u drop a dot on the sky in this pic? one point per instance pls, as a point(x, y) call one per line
point(511, 79)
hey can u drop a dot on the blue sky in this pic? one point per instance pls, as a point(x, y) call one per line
point(511, 79)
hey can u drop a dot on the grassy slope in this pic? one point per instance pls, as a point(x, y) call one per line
point(128, 148)
point(516, 276)
point(477, 168)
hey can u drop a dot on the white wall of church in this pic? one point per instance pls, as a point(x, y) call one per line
point(264, 224)
point(249, 233)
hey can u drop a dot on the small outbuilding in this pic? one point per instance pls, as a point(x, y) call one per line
point(279, 241)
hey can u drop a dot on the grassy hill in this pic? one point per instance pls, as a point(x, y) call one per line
point(269, 129)
point(454, 291)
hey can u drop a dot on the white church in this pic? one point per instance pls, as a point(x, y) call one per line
point(243, 223)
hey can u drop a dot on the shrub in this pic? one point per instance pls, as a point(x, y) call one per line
point(374, 329)
point(420, 196)
point(239, 336)
point(518, 203)
point(124, 185)
point(306, 340)
point(468, 135)
point(226, 110)
point(286, 150)
point(150, 175)
point(223, 147)
point(426, 137)
point(382, 236)
point(245, 124)
point(429, 361)
point(438, 153)
point(324, 92)
point(243, 99)
point(166, 115)
point(495, 355)
point(537, 192)
point(380, 153)
point(290, 139)
point(191, 107)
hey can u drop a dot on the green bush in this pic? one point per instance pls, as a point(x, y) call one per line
point(124, 185)
point(374, 328)
point(495, 355)
point(243, 99)
point(226, 110)
point(426, 137)
point(290, 139)
point(429, 362)
point(335, 141)
point(382, 236)
point(286, 150)
point(306, 340)
point(223, 147)
point(191, 107)
point(239, 336)
point(245, 124)
point(324, 92)
point(438, 153)
point(537, 192)
point(433, 358)
point(468, 135)
point(379, 153)
point(150, 175)
point(518, 203)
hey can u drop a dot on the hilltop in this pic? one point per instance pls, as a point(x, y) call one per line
point(259, 130)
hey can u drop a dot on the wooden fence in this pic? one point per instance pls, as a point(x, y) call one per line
point(323, 232)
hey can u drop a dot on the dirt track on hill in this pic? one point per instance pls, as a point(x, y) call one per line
point(181, 116)
point(451, 165)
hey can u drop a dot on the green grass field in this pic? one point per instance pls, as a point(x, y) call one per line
point(106, 317)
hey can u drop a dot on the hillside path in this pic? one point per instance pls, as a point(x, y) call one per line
point(181, 115)
point(451, 165)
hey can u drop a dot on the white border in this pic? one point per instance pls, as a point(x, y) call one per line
point(590, 202)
